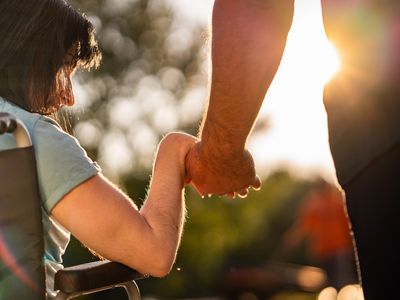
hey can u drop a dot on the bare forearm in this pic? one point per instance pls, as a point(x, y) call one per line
point(107, 221)
point(248, 39)
point(164, 211)
point(164, 208)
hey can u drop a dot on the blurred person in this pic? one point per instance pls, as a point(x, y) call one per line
point(322, 222)
point(43, 42)
point(362, 103)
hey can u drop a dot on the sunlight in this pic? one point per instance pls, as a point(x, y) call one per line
point(312, 59)
point(332, 61)
point(298, 136)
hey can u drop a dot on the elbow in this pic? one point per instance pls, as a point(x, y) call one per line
point(161, 270)
point(153, 261)
point(156, 253)
point(159, 265)
point(164, 260)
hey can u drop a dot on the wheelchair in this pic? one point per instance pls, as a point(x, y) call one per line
point(22, 274)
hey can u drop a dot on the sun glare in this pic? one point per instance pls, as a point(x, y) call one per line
point(331, 59)
point(298, 135)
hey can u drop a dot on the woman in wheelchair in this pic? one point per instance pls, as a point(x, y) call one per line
point(43, 42)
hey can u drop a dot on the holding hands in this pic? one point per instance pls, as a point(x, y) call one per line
point(208, 170)
point(219, 172)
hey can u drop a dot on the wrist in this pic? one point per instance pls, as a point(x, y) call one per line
point(216, 138)
point(222, 159)
point(168, 177)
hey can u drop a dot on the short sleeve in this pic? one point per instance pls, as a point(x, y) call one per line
point(62, 163)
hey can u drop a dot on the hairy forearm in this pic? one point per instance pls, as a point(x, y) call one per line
point(164, 208)
point(164, 215)
point(248, 39)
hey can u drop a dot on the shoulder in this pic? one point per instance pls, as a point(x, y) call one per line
point(62, 163)
point(53, 145)
point(46, 129)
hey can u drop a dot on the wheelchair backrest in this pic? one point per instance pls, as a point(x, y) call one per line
point(21, 232)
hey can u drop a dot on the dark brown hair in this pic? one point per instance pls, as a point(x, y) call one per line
point(37, 38)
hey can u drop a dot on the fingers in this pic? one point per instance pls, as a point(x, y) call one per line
point(243, 193)
point(231, 195)
point(257, 183)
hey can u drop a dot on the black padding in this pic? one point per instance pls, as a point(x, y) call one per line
point(93, 276)
point(21, 233)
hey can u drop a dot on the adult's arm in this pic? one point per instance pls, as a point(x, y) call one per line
point(104, 219)
point(248, 39)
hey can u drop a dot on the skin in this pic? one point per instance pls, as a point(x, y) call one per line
point(147, 239)
point(144, 239)
point(245, 54)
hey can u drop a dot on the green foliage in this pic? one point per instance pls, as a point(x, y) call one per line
point(151, 81)
point(222, 233)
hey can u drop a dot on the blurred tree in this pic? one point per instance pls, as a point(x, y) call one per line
point(152, 81)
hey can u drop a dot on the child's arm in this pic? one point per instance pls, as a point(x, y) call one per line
point(108, 222)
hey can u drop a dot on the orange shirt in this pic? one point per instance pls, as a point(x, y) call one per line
point(323, 221)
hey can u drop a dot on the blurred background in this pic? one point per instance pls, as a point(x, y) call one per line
point(153, 80)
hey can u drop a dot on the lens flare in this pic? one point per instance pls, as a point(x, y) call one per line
point(10, 262)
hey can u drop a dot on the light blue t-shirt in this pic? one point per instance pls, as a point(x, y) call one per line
point(62, 164)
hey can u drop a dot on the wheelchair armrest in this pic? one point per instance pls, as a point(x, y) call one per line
point(92, 276)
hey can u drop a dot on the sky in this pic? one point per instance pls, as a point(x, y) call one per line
point(297, 136)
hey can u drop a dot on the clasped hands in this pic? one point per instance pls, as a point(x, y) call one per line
point(212, 171)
